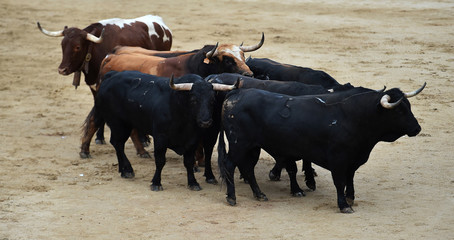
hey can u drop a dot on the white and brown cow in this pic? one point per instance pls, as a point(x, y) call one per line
point(84, 49)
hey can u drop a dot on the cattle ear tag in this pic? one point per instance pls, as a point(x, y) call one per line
point(206, 61)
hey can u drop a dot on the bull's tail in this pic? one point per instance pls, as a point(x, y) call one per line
point(91, 124)
point(222, 155)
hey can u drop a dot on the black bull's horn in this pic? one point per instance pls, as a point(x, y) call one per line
point(90, 37)
point(384, 101)
point(188, 86)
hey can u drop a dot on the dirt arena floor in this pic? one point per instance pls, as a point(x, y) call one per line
point(405, 191)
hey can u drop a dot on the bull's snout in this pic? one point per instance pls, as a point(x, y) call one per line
point(248, 74)
point(415, 131)
point(63, 71)
point(205, 124)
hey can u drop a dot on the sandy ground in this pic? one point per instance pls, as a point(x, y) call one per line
point(404, 191)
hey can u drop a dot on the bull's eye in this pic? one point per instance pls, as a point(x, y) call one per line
point(77, 48)
point(228, 61)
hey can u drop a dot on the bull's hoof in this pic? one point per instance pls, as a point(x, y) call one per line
point(261, 197)
point(212, 181)
point(299, 194)
point(350, 201)
point(195, 187)
point(347, 210)
point(144, 155)
point(311, 186)
point(100, 141)
point(274, 177)
point(196, 169)
point(84, 155)
point(127, 174)
point(231, 201)
point(156, 188)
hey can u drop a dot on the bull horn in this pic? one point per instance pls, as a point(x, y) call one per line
point(381, 90)
point(48, 33)
point(93, 38)
point(414, 93)
point(211, 53)
point(248, 58)
point(179, 86)
point(384, 101)
point(255, 47)
point(224, 87)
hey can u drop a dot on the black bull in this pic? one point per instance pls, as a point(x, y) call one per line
point(264, 68)
point(292, 88)
point(174, 114)
point(338, 136)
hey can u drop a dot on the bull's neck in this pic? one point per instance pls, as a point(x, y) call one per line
point(362, 118)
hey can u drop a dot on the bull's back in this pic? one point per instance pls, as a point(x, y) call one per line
point(130, 62)
point(130, 96)
point(280, 124)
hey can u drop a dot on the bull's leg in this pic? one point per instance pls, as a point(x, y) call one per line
point(144, 139)
point(199, 157)
point(350, 190)
point(189, 164)
point(309, 174)
point(118, 137)
point(89, 131)
point(100, 135)
point(160, 161)
point(209, 141)
point(339, 178)
point(275, 173)
point(246, 166)
point(229, 174)
point(295, 189)
point(135, 137)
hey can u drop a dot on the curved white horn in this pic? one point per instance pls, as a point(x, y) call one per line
point(414, 93)
point(224, 87)
point(93, 38)
point(48, 33)
point(384, 101)
point(254, 47)
point(179, 86)
point(211, 53)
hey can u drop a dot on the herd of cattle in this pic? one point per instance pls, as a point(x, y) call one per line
point(186, 99)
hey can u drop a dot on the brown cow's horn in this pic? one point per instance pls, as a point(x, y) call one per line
point(48, 33)
point(93, 38)
point(211, 53)
point(384, 101)
point(255, 47)
point(414, 93)
point(179, 86)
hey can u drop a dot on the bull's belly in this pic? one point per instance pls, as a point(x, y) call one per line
point(293, 150)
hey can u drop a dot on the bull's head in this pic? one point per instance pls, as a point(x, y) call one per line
point(74, 47)
point(230, 58)
point(201, 97)
point(399, 115)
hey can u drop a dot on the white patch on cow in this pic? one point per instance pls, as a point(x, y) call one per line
point(234, 51)
point(147, 19)
point(93, 87)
